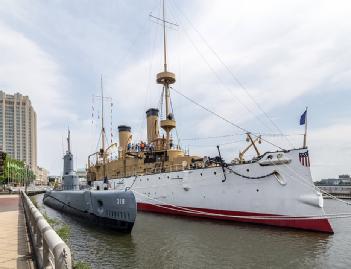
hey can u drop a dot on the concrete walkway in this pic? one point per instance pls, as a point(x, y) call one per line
point(14, 241)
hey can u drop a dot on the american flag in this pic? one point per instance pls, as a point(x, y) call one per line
point(304, 159)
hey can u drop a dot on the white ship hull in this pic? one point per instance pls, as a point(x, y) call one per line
point(275, 190)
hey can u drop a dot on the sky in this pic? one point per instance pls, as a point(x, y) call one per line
point(258, 64)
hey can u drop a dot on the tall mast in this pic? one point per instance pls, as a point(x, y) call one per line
point(164, 37)
point(167, 93)
point(69, 141)
point(103, 132)
point(166, 78)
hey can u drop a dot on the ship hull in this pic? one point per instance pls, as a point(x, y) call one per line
point(318, 225)
point(275, 190)
point(115, 210)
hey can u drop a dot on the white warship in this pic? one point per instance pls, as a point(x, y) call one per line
point(273, 188)
point(115, 209)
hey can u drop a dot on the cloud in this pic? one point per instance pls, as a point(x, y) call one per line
point(26, 68)
point(280, 51)
point(330, 150)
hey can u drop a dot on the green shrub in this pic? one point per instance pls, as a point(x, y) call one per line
point(63, 231)
point(81, 265)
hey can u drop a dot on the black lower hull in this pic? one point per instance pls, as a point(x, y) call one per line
point(84, 216)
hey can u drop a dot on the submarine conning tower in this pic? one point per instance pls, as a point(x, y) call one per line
point(70, 179)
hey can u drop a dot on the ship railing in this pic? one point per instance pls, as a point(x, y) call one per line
point(49, 249)
point(157, 170)
point(131, 174)
point(176, 167)
point(171, 168)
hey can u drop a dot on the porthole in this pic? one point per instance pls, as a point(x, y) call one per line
point(247, 170)
point(214, 172)
point(257, 190)
point(200, 174)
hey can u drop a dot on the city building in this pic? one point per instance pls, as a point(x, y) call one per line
point(339, 187)
point(41, 176)
point(55, 179)
point(81, 173)
point(341, 180)
point(18, 128)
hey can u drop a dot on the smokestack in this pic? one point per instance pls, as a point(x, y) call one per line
point(125, 136)
point(152, 124)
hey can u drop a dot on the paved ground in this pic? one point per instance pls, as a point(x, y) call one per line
point(14, 241)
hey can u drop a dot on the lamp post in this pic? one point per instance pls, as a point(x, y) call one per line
point(8, 173)
point(26, 178)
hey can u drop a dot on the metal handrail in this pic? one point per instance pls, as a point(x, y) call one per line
point(50, 250)
point(176, 167)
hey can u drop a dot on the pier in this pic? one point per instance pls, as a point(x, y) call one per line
point(15, 251)
point(340, 191)
point(26, 238)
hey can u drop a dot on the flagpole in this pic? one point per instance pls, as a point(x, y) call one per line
point(305, 135)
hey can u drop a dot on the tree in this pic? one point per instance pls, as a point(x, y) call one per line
point(15, 171)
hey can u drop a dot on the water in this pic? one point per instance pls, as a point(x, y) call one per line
point(159, 241)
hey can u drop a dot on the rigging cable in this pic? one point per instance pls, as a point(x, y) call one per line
point(218, 77)
point(222, 144)
point(176, 130)
point(153, 38)
point(243, 88)
point(235, 78)
point(223, 118)
point(237, 134)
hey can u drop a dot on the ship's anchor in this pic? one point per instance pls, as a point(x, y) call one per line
point(222, 164)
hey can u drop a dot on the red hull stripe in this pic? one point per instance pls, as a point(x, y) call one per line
point(320, 225)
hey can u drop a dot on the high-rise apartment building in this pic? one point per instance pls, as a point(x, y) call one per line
point(18, 128)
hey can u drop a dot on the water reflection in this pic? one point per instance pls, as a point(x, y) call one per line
point(159, 241)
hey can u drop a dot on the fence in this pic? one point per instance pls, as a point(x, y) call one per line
point(49, 248)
